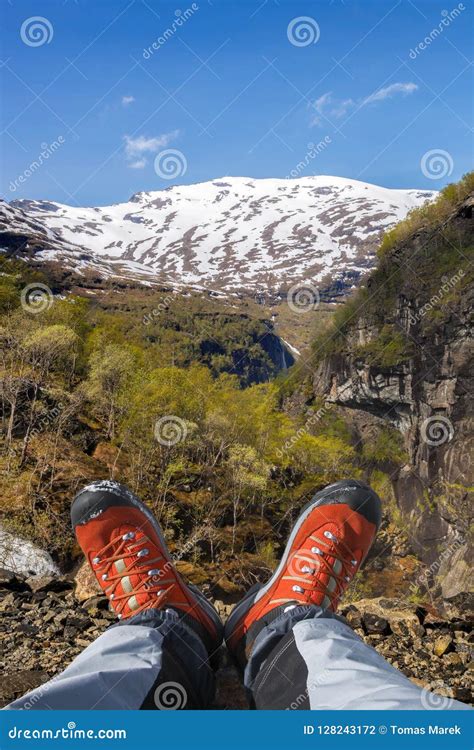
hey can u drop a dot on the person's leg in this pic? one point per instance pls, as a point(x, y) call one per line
point(310, 659)
point(152, 661)
point(157, 655)
point(295, 652)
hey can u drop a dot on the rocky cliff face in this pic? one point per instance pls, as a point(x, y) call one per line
point(405, 356)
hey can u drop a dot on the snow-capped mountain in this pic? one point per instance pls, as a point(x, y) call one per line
point(231, 234)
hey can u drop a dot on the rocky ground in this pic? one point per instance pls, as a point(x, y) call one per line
point(46, 621)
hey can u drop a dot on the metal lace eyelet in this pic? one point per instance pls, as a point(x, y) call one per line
point(316, 551)
point(104, 576)
point(129, 535)
point(143, 553)
point(96, 560)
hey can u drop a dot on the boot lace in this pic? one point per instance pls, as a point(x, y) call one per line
point(152, 581)
point(306, 580)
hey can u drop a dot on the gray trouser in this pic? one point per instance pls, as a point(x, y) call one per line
point(303, 659)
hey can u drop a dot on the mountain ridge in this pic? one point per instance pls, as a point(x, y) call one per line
point(225, 235)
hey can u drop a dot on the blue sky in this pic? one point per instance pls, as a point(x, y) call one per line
point(236, 88)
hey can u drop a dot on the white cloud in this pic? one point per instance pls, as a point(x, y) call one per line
point(389, 91)
point(327, 107)
point(320, 103)
point(126, 100)
point(139, 164)
point(141, 144)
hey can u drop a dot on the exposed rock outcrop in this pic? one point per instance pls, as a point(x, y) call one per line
point(408, 360)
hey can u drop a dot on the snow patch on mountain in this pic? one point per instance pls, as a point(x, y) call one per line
point(231, 234)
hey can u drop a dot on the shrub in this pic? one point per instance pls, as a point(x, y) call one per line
point(388, 349)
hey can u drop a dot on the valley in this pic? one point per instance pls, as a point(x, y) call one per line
point(194, 400)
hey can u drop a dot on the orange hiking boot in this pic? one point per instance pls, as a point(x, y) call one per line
point(327, 545)
point(124, 545)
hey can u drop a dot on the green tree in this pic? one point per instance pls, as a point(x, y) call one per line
point(248, 475)
point(110, 376)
